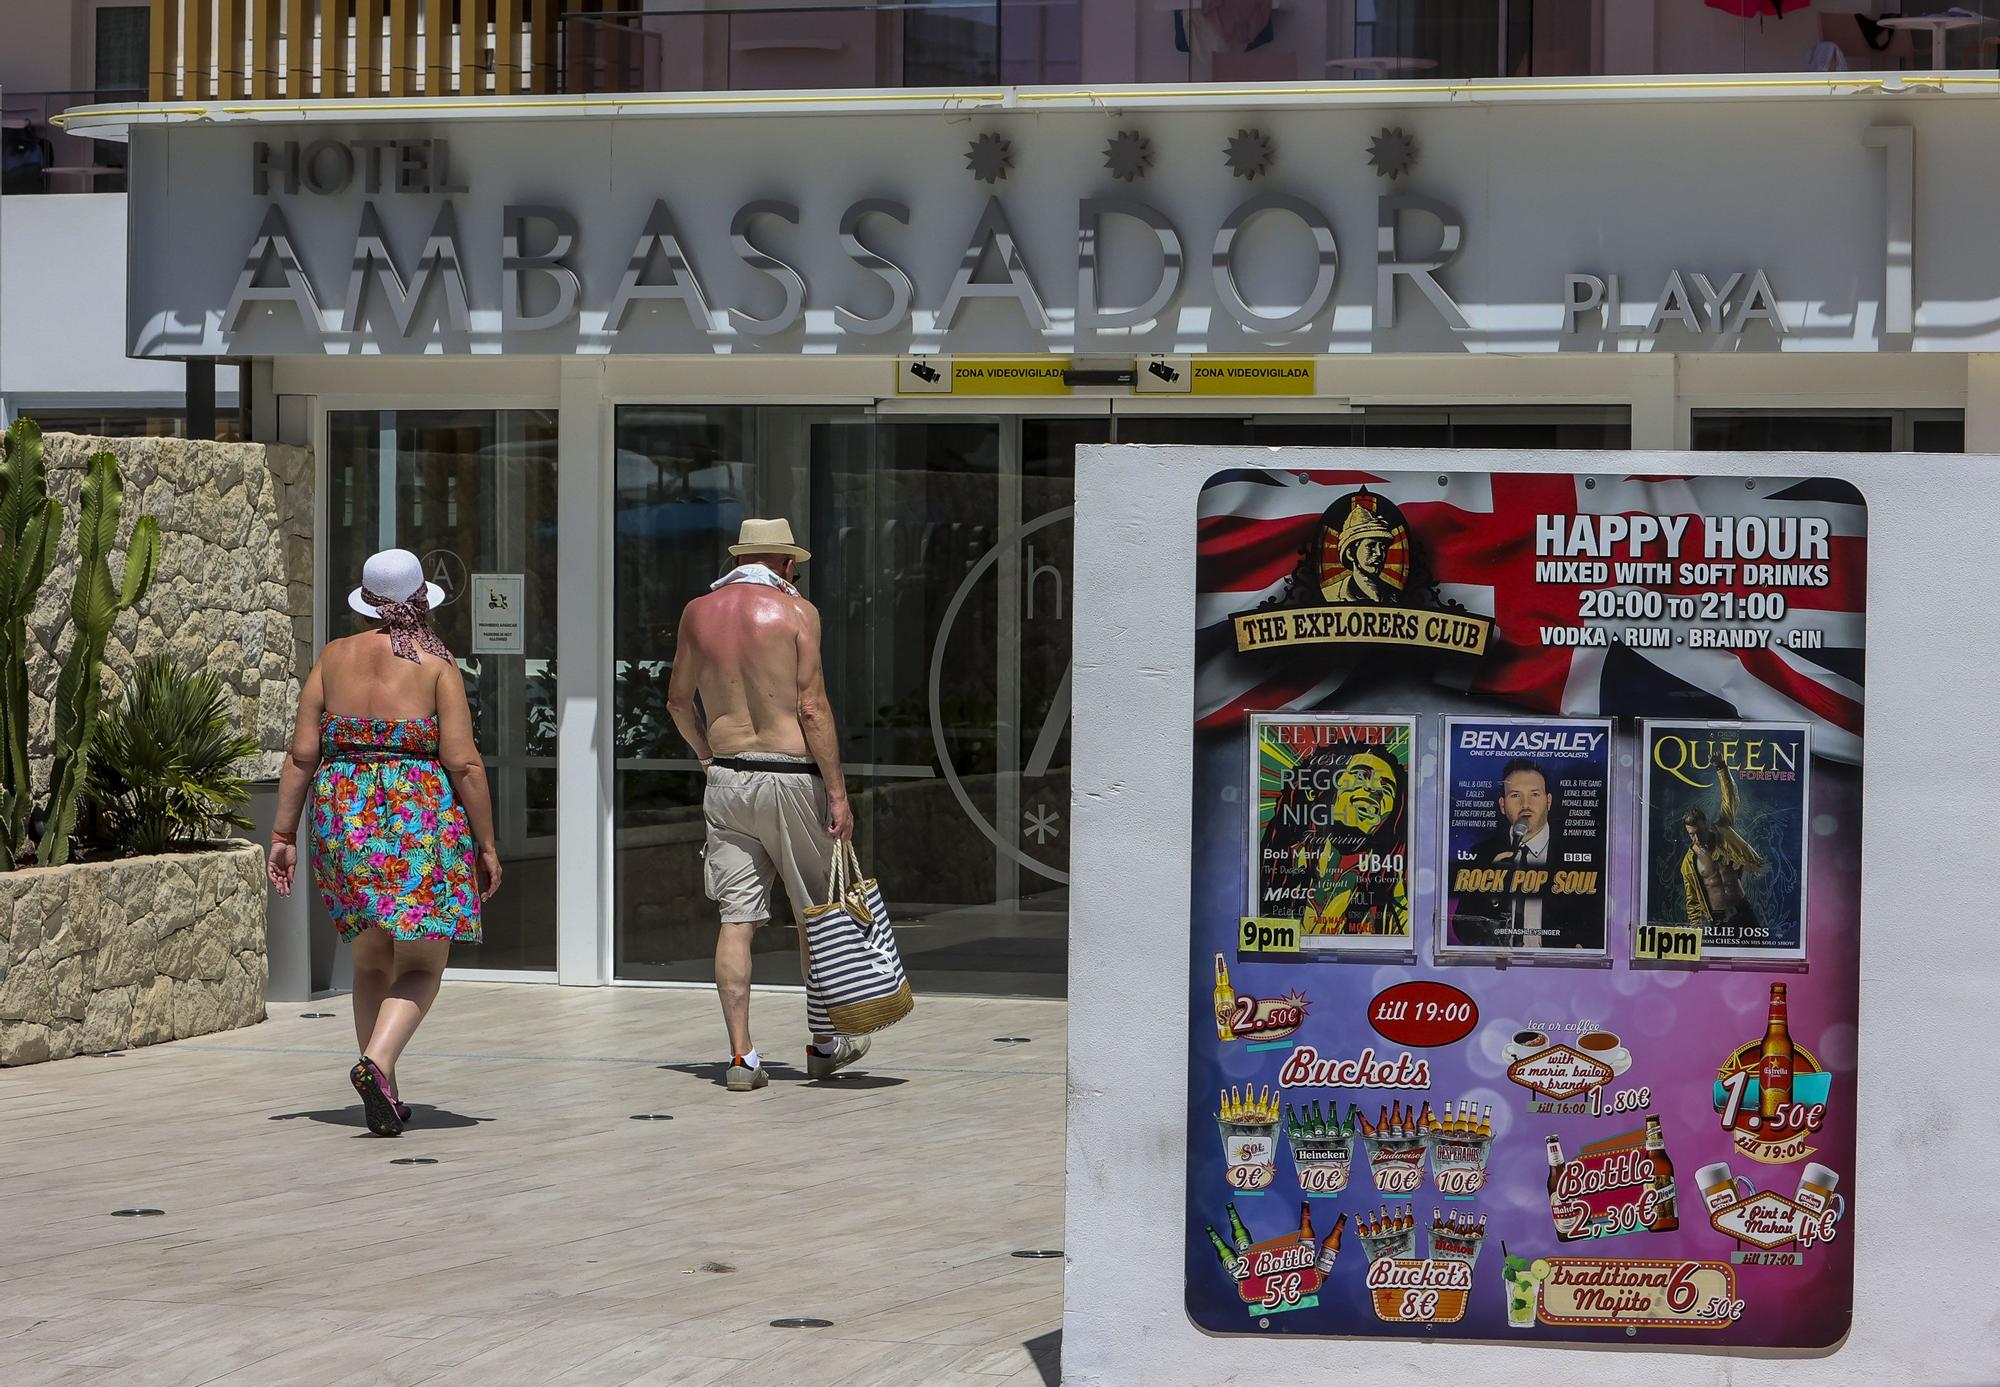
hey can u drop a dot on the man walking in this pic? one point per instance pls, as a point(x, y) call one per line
point(776, 801)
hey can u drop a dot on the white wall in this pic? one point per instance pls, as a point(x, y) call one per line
point(62, 305)
point(1923, 1310)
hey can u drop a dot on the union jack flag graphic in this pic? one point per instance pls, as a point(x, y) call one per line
point(1477, 534)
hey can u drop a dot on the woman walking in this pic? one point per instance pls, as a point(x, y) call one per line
point(402, 822)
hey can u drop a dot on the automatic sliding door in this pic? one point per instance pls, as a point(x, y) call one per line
point(473, 492)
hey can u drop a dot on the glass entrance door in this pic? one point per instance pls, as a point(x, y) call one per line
point(941, 570)
point(473, 493)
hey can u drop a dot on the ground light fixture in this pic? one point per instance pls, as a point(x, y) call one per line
point(1037, 1253)
point(414, 1160)
point(652, 1117)
point(137, 1213)
point(801, 1323)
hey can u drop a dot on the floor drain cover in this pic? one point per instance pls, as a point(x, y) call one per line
point(652, 1117)
point(801, 1324)
point(414, 1160)
point(1037, 1252)
point(137, 1213)
point(1010, 1039)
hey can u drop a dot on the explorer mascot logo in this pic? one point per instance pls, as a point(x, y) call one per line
point(1362, 580)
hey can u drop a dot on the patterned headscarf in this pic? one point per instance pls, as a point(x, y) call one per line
point(409, 624)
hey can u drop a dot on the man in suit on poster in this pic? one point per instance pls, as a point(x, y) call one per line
point(1528, 840)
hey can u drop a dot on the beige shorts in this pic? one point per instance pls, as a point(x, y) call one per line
point(763, 824)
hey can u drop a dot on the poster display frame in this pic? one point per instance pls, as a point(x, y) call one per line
point(1442, 946)
point(1339, 945)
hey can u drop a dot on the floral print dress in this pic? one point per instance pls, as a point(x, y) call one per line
point(389, 841)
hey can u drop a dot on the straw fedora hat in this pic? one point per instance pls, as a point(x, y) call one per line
point(394, 574)
point(767, 537)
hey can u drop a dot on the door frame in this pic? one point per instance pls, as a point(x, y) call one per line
point(328, 589)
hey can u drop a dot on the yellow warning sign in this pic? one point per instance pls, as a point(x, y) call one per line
point(1225, 375)
point(981, 375)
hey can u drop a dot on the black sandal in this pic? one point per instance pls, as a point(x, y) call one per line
point(373, 1086)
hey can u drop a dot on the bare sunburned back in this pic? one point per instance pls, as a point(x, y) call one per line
point(743, 642)
point(361, 677)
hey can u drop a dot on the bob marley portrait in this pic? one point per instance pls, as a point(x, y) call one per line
point(1335, 848)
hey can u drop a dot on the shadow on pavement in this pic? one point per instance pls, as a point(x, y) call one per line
point(422, 1116)
point(1046, 1350)
point(713, 1071)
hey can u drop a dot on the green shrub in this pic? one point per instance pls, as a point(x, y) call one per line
point(163, 763)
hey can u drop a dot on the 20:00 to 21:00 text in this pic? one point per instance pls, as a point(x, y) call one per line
point(1645, 604)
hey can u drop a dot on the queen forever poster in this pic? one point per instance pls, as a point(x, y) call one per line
point(1523, 967)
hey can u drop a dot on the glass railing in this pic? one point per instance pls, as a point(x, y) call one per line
point(670, 45)
point(38, 156)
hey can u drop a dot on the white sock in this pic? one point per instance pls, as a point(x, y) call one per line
point(829, 1046)
point(750, 1059)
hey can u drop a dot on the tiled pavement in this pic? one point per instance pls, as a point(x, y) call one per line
point(556, 1241)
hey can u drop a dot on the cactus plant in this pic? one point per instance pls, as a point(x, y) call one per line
point(30, 524)
point(94, 605)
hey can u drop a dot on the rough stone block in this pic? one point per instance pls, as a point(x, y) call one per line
point(28, 909)
point(211, 957)
point(64, 1038)
point(127, 955)
point(197, 1009)
point(152, 1014)
point(23, 1042)
point(28, 994)
point(71, 991)
point(176, 953)
point(173, 898)
point(107, 1021)
point(78, 916)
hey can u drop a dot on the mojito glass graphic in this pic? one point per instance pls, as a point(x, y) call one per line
point(1522, 1281)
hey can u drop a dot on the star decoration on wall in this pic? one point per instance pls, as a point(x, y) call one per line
point(990, 157)
point(1250, 153)
point(1393, 153)
point(1128, 155)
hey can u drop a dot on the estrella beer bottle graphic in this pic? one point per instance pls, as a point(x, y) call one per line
point(1225, 1002)
point(1774, 1068)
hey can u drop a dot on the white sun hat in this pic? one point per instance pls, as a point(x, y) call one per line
point(393, 574)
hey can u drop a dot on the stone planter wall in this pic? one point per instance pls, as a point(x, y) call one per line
point(234, 592)
point(107, 955)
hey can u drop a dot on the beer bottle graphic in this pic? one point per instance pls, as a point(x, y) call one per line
point(1774, 1067)
point(1225, 1002)
point(1237, 1231)
point(1666, 1217)
point(1222, 1250)
point(1330, 1249)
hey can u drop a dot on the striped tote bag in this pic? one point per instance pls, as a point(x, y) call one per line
point(855, 982)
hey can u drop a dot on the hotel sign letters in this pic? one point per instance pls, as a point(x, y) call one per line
point(461, 242)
